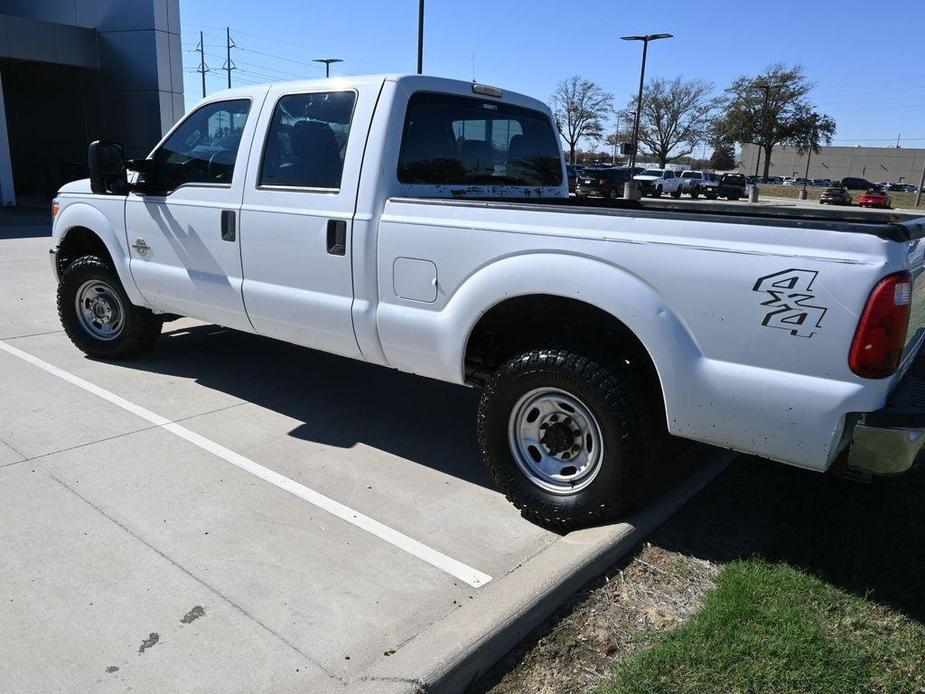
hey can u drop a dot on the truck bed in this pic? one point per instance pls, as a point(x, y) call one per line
point(887, 224)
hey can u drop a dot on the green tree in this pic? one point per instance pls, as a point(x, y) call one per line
point(676, 116)
point(723, 157)
point(580, 108)
point(772, 108)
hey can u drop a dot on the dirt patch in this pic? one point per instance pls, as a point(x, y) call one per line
point(620, 613)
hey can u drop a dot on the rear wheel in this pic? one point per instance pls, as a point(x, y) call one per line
point(96, 313)
point(567, 440)
point(676, 193)
point(658, 192)
point(613, 195)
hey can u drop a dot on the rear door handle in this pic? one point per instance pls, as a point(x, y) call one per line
point(337, 237)
point(228, 227)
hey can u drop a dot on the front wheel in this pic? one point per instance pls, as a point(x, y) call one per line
point(97, 315)
point(694, 193)
point(567, 440)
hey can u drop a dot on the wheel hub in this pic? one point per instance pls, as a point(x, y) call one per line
point(559, 438)
point(555, 440)
point(100, 310)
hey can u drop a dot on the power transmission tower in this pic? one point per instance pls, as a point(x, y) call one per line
point(203, 68)
point(229, 63)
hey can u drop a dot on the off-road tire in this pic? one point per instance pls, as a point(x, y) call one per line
point(141, 327)
point(630, 429)
point(694, 193)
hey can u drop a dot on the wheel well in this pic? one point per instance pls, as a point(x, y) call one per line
point(78, 242)
point(529, 322)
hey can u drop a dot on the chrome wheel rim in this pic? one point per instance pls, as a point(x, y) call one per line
point(100, 310)
point(555, 440)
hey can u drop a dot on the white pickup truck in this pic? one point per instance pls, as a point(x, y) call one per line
point(424, 224)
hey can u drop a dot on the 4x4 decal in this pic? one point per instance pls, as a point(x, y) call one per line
point(791, 292)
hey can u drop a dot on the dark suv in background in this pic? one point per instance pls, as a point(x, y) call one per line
point(606, 183)
point(851, 183)
point(732, 186)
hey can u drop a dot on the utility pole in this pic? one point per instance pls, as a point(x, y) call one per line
point(203, 68)
point(421, 37)
point(327, 64)
point(229, 64)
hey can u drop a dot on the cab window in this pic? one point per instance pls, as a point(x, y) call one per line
point(307, 141)
point(463, 140)
point(205, 146)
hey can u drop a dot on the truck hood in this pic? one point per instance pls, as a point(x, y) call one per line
point(640, 177)
point(81, 187)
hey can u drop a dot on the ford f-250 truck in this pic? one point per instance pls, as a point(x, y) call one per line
point(424, 224)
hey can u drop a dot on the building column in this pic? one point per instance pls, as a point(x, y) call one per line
point(7, 189)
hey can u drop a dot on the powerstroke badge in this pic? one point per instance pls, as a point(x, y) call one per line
point(791, 301)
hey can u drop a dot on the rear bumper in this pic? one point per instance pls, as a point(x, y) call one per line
point(890, 440)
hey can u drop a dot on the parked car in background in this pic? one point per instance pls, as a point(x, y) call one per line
point(900, 188)
point(605, 183)
point(875, 198)
point(654, 182)
point(697, 183)
point(821, 183)
point(732, 186)
point(852, 183)
point(776, 180)
point(835, 195)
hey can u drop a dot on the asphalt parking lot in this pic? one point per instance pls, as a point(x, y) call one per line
point(231, 513)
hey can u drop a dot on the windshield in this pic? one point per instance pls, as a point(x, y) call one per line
point(653, 172)
point(692, 174)
point(463, 140)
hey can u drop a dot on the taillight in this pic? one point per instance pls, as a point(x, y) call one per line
point(881, 335)
point(602, 182)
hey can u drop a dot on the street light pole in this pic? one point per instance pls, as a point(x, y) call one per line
point(421, 37)
point(630, 186)
point(327, 64)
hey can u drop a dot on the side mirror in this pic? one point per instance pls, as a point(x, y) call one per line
point(106, 162)
point(147, 183)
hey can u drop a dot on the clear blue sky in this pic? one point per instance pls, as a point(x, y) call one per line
point(867, 60)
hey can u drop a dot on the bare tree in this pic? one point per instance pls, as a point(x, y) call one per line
point(773, 108)
point(676, 117)
point(580, 107)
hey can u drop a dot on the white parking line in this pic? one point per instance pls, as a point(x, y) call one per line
point(455, 568)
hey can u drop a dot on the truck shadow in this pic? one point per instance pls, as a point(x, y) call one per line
point(866, 539)
point(340, 402)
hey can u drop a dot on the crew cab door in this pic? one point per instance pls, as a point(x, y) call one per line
point(182, 224)
point(297, 216)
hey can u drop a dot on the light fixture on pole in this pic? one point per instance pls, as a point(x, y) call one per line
point(630, 186)
point(327, 64)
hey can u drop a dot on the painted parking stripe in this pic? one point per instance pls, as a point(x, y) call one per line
point(465, 573)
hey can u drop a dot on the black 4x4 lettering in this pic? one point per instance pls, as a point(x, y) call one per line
point(791, 294)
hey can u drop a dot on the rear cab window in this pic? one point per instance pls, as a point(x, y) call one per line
point(458, 140)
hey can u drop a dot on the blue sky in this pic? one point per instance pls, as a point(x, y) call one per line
point(867, 63)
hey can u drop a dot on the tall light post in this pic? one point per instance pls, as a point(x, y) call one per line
point(327, 64)
point(813, 138)
point(629, 189)
point(421, 37)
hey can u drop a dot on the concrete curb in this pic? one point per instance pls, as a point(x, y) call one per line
point(453, 652)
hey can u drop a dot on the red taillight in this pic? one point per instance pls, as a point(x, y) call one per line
point(881, 335)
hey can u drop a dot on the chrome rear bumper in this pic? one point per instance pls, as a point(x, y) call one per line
point(890, 440)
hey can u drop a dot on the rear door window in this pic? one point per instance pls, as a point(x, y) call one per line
point(467, 141)
point(307, 141)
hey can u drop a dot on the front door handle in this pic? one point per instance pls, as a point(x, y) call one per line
point(337, 237)
point(228, 226)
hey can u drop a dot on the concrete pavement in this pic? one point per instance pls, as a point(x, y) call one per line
point(301, 535)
